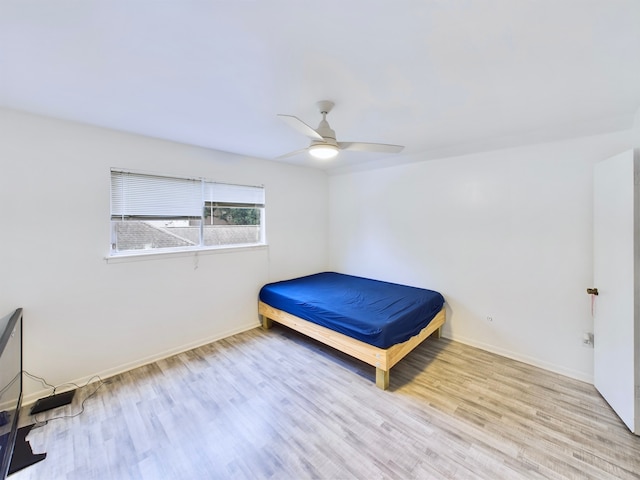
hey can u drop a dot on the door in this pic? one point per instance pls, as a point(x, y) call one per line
point(616, 329)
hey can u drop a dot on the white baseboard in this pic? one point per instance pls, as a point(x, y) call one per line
point(32, 397)
point(523, 358)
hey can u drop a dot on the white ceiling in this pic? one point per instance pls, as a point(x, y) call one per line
point(442, 77)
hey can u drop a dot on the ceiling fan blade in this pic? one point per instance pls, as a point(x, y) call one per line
point(300, 126)
point(290, 154)
point(370, 147)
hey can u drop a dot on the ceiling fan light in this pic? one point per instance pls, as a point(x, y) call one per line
point(323, 152)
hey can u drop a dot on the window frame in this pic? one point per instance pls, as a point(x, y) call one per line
point(205, 186)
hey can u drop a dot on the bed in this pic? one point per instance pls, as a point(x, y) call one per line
point(374, 321)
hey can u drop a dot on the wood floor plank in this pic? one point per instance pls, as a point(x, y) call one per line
point(277, 405)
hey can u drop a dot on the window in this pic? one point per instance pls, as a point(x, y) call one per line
point(158, 213)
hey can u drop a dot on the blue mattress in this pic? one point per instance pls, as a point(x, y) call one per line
point(375, 312)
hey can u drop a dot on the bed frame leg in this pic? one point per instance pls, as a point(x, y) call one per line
point(267, 323)
point(438, 333)
point(382, 378)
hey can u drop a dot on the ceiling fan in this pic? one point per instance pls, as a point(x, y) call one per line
point(323, 139)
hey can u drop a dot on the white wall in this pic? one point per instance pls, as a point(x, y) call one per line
point(84, 316)
point(505, 234)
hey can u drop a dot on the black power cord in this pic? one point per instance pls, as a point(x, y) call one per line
point(42, 423)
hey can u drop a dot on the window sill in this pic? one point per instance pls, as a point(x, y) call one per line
point(155, 255)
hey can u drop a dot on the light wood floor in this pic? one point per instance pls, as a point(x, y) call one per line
point(274, 404)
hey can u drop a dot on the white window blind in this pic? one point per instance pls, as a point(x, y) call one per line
point(141, 195)
point(226, 193)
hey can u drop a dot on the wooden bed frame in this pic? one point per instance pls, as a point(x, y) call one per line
point(381, 358)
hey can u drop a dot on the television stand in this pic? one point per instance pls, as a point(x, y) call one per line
point(23, 456)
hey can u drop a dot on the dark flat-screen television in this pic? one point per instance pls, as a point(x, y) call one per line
point(15, 451)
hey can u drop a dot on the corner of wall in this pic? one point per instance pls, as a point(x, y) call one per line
point(636, 129)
